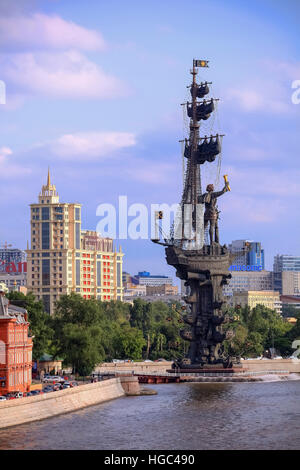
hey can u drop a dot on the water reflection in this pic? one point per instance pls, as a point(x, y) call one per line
point(181, 416)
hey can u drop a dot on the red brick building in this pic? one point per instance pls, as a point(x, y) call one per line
point(15, 348)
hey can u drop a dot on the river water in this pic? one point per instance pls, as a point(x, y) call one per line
point(181, 416)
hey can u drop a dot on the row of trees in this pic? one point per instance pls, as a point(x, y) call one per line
point(259, 329)
point(86, 332)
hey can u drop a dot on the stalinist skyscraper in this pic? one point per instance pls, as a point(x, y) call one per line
point(63, 258)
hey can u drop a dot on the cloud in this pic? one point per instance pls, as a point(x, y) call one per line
point(42, 56)
point(244, 209)
point(267, 97)
point(89, 145)
point(4, 152)
point(271, 93)
point(8, 168)
point(147, 172)
point(40, 31)
point(65, 75)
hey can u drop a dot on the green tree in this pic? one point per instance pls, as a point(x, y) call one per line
point(129, 343)
point(39, 322)
point(80, 333)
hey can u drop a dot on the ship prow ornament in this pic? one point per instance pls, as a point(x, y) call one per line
point(202, 266)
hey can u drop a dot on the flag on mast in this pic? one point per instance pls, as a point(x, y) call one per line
point(200, 63)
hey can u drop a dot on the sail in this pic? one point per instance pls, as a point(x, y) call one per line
point(203, 110)
point(206, 151)
point(201, 89)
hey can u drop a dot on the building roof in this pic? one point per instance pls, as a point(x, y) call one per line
point(11, 311)
point(48, 358)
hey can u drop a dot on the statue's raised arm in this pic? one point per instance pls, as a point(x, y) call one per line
point(211, 211)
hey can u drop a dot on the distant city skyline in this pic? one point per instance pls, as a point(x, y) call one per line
point(95, 94)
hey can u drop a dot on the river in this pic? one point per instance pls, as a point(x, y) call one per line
point(181, 416)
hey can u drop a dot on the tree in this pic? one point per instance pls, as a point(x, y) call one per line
point(39, 322)
point(257, 329)
point(80, 336)
point(129, 343)
point(81, 347)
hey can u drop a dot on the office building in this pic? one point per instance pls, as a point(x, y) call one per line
point(14, 281)
point(286, 270)
point(63, 258)
point(164, 289)
point(146, 279)
point(11, 255)
point(247, 252)
point(248, 280)
point(269, 299)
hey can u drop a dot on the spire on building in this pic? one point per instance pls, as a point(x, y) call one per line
point(48, 193)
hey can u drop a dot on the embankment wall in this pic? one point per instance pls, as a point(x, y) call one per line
point(27, 409)
point(137, 367)
point(256, 365)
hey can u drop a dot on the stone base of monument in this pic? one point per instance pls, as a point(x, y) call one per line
point(207, 370)
point(231, 374)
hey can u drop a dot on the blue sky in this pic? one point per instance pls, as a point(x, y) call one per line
point(94, 91)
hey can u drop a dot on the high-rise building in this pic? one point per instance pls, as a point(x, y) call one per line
point(63, 258)
point(286, 263)
point(247, 253)
point(13, 267)
point(11, 255)
point(242, 281)
point(146, 279)
point(286, 270)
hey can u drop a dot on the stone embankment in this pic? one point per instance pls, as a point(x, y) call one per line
point(144, 368)
point(264, 365)
point(27, 409)
point(137, 367)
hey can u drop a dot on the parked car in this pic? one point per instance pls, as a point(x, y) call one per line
point(67, 382)
point(74, 384)
point(2, 398)
point(53, 378)
point(66, 385)
point(57, 387)
point(36, 392)
point(10, 396)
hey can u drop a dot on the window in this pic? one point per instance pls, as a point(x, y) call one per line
point(46, 301)
point(77, 272)
point(45, 235)
point(45, 213)
point(45, 272)
point(77, 236)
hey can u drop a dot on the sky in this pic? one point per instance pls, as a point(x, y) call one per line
point(94, 91)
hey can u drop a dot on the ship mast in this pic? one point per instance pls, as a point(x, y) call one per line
point(192, 189)
point(194, 137)
point(189, 223)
